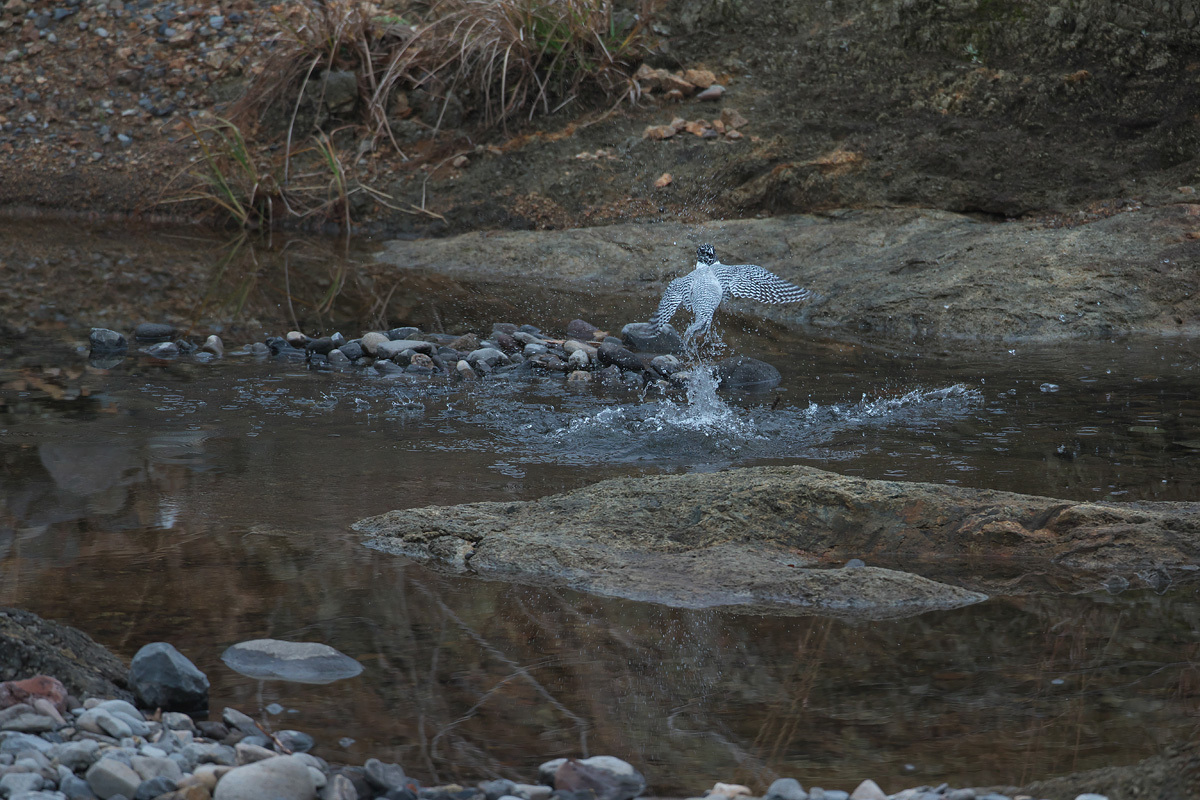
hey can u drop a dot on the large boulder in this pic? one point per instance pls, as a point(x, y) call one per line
point(30, 645)
point(162, 677)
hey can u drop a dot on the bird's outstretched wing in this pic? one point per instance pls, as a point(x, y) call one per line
point(755, 283)
point(674, 295)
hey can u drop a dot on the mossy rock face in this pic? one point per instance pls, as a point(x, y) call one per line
point(30, 645)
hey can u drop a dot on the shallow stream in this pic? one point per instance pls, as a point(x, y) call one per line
point(206, 504)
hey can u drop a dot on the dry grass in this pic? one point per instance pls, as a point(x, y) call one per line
point(499, 58)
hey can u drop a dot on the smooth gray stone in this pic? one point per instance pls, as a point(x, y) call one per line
point(29, 722)
point(13, 742)
point(237, 720)
point(384, 776)
point(162, 677)
point(279, 778)
point(198, 753)
point(301, 662)
point(641, 336)
point(496, 789)
point(77, 755)
point(154, 787)
point(391, 349)
point(17, 782)
point(149, 767)
point(747, 374)
point(76, 788)
point(109, 777)
point(404, 333)
point(296, 741)
point(618, 356)
point(786, 789)
point(153, 332)
point(487, 355)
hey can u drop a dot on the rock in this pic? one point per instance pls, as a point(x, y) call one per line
point(240, 721)
point(868, 790)
point(298, 741)
point(666, 365)
point(391, 349)
point(533, 349)
point(465, 343)
point(156, 767)
point(464, 371)
point(548, 362)
point(249, 753)
point(197, 753)
point(98, 720)
point(608, 778)
point(579, 376)
point(733, 119)
point(18, 782)
point(164, 678)
point(494, 790)
point(729, 790)
point(108, 777)
point(618, 356)
point(296, 339)
point(75, 788)
point(580, 330)
point(786, 789)
point(338, 360)
point(713, 92)
point(487, 355)
point(371, 341)
point(339, 787)
point(384, 776)
point(103, 341)
point(301, 662)
point(387, 368)
point(700, 78)
point(17, 742)
point(323, 346)
point(279, 778)
point(529, 791)
point(409, 332)
point(154, 787)
point(578, 360)
point(164, 350)
point(745, 374)
point(30, 722)
point(153, 332)
point(572, 346)
point(352, 350)
point(77, 755)
point(214, 345)
point(1091, 796)
point(30, 690)
point(640, 336)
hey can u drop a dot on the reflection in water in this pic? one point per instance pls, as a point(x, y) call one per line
point(209, 504)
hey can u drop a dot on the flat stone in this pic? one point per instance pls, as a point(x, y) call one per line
point(30, 722)
point(371, 341)
point(279, 778)
point(640, 336)
point(108, 777)
point(391, 349)
point(487, 355)
point(250, 753)
point(618, 356)
point(153, 332)
point(301, 662)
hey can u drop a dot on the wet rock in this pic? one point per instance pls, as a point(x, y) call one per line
point(153, 332)
point(581, 330)
point(578, 360)
point(786, 789)
point(666, 364)
point(505, 343)
point(395, 347)
point(371, 341)
point(745, 374)
point(214, 345)
point(408, 332)
point(618, 356)
point(297, 339)
point(239, 721)
point(164, 350)
point(323, 346)
point(640, 336)
point(465, 343)
point(388, 368)
point(533, 349)
point(280, 778)
point(487, 355)
point(164, 678)
point(338, 360)
point(351, 350)
point(103, 341)
point(579, 376)
point(464, 370)
point(384, 776)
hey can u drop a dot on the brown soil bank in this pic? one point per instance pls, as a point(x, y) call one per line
point(732, 538)
point(1004, 107)
point(884, 274)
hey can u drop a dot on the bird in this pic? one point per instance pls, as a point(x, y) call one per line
point(705, 287)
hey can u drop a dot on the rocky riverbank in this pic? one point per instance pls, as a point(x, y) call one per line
point(57, 745)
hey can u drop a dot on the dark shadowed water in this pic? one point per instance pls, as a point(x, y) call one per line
point(206, 504)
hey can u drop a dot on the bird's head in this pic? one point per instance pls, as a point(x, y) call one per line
point(705, 254)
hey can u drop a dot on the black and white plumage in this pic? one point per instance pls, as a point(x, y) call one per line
point(705, 287)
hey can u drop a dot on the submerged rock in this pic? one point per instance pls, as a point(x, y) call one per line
point(731, 538)
point(745, 374)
